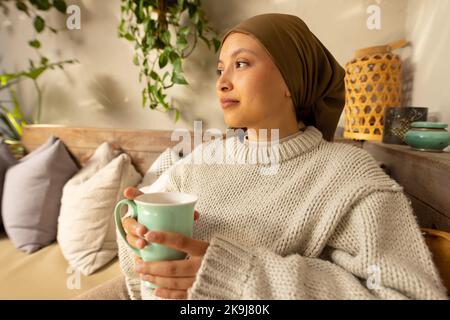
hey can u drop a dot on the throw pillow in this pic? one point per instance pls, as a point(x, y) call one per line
point(86, 229)
point(32, 195)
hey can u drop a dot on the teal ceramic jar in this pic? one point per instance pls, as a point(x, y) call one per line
point(428, 136)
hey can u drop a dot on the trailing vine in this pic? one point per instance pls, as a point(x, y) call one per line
point(162, 42)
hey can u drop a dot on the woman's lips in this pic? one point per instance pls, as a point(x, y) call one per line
point(228, 103)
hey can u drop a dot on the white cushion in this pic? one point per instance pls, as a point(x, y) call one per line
point(86, 229)
point(165, 160)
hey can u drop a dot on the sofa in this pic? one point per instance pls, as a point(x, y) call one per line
point(46, 273)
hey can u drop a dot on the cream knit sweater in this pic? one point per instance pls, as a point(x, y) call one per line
point(326, 223)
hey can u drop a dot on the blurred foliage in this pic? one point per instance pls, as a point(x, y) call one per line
point(11, 115)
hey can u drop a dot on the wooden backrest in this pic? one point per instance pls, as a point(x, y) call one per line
point(143, 146)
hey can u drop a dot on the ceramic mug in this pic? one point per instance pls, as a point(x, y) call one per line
point(160, 211)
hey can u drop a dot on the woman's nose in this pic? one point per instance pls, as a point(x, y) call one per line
point(224, 85)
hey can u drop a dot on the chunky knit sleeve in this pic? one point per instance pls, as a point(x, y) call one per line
point(375, 252)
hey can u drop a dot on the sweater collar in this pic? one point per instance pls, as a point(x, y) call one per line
point(265, 152)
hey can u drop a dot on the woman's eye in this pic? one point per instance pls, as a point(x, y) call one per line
point(241, 63)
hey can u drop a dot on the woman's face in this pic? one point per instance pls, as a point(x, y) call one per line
point(251, 89)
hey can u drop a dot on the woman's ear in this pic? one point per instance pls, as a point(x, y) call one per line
point(287, 93)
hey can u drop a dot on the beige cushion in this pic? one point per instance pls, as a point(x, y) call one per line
point(45, 274)
point(165, 160)
point(86, 229)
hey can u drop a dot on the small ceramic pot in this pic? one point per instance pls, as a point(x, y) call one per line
point(428, 136)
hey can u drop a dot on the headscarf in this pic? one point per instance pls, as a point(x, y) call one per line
point(314, 77)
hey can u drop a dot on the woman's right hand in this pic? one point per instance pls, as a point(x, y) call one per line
point(135, 231)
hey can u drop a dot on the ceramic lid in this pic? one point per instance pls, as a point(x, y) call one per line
point(425, 124)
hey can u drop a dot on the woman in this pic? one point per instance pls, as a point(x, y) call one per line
point(328, 223)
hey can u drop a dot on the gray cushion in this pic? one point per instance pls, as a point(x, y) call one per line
point(6, 161)
point(32, 195)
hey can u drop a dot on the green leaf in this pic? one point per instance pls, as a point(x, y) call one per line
point(217, 44)
point(177, 67)
point(121, 28)
point(177, 115)
point(12, 123)
point(152, 91)
point(178, 78)
point(41, 4)
point(136, 60)
point(154, 75)
point(181, 4)
point(150, 40)
point(200, 27)
point(182, 43)
point(166, 74)
point(165, 37)
point(192, 9)
point(173, 56)
point(196, 17)
point(60, 5)
point(185, 31)
point(39, 23)
point(17, 112)
point(35, 73)
point(139, 12)
point(20, 5)
point(44, 60)
point(35, 43)
point(144, 97)
point(129, 37)
point(158, 95)
point(11, 132)
point(163, 59)
point(4, 79)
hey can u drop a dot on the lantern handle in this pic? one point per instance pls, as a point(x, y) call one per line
point(397, 44)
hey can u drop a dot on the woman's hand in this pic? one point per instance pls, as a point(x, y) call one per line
point(173, 277)
point(135, 231)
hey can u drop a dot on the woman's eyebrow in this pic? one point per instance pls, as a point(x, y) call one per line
point(240, 50)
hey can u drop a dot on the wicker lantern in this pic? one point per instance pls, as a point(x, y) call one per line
point(372, 83)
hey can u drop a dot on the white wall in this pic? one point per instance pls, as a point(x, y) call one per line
point(428, 29)
point(103, 90)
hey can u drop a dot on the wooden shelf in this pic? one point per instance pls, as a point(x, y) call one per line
point(425, 177)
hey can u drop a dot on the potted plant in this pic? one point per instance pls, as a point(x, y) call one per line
point(11, 116)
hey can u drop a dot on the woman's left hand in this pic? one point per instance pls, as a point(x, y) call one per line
point(173, 277)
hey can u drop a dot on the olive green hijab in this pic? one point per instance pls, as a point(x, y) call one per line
point(314, 78)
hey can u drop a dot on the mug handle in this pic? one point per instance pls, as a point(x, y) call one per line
point(118, 219)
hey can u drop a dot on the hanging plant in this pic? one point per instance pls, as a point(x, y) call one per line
point(162, 42)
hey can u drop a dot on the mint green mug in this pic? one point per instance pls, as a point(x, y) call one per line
point(160, 211)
